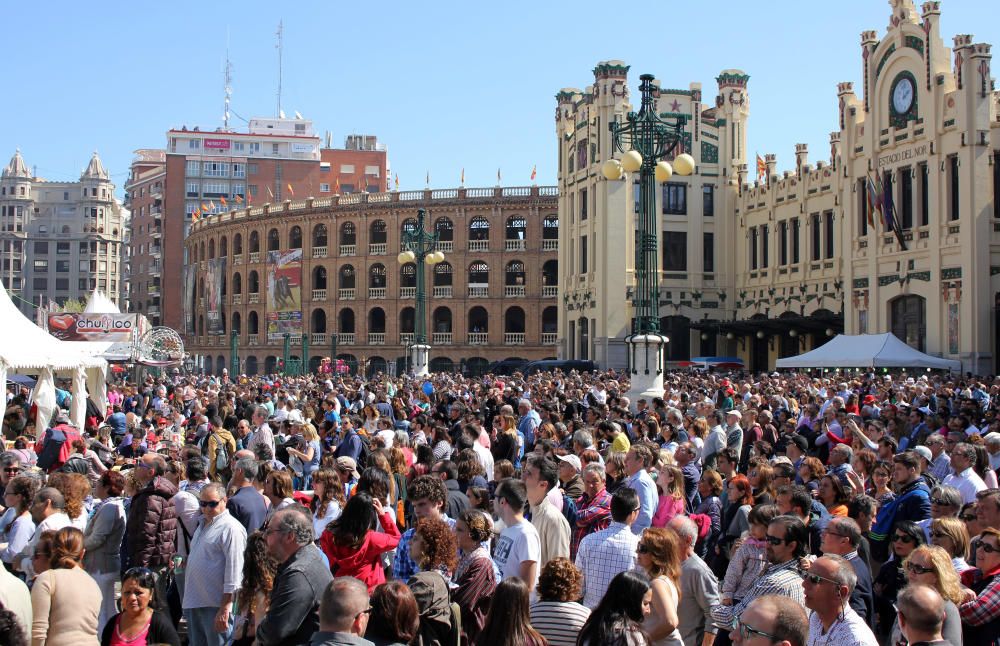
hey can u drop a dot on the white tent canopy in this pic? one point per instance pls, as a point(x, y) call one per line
point(99, 303)
point(867, 351)
point(26, 348)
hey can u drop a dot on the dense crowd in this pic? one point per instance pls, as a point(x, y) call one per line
point(755, 509)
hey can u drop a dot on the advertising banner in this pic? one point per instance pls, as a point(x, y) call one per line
point(113, 328)
point(190, 275)
point(284, 293)
point(214, 275)
point(217, 144)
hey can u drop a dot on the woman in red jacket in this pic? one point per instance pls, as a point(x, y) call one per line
point(354, 546)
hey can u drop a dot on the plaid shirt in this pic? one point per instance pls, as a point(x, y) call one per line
point(986, 606)
point(783, 579)
point(591, 516)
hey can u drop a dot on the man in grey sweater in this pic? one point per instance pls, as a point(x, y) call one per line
point(699, 589)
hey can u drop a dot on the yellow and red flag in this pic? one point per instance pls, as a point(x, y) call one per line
point(290, 191)
point(761, 169)
point(534, 172)
point(223, 200)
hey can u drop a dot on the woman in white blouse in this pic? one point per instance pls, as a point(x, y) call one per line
point(18, 496)
point(328, 499)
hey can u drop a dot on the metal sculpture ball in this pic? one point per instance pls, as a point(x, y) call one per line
point(162, 344)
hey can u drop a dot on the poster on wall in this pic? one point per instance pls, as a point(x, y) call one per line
point(284, 293)
point(189, 277)
point(953, 328)
point(214, 273)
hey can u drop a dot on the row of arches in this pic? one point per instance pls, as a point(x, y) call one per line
point(442, 321)
point(479, 229)
point(252, 365)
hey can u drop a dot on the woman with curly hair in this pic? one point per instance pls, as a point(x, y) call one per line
point(434, 551)
point(617, 619)
point(75, 488)
point(65, 600)
point(659, 555)
point(931, 566)
point(259, 569)
point(475, 576)
point(395, 617)
point(470, 470)
point(556, 614)
point(509, 620)
point(328, 499)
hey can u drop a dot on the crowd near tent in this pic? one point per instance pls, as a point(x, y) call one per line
point(28, 350)
point(867, 351)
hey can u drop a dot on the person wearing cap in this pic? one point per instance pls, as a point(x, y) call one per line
point(734, 432)
point(347, 468)
point(570, 480)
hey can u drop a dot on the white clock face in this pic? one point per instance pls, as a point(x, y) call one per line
point(902, 96)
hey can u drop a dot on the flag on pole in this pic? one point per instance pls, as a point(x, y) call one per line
point(761, 169)
point(211, 206)
point(239, 199)
point(428, 179)
point(336, 189)
point(461, 181)
point(871, 201)
point(204, 207)
point(223, 200)
point(397, 181)
point(499, 177)
point(534, 172)
point(892, 222)
point(290, 190)
point(270, 194)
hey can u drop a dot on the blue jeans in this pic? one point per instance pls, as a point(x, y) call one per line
point(201, 627)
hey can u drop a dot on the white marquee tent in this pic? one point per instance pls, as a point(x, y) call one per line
point(26, 348)
point(867, 351)
point(99, 303)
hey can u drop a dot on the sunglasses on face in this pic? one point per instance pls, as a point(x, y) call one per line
point(938, 535)
point(904, 538)
point(918, 569)
point(774, 540)
point(746, 631)
point(969, 518)
point(816, 579)
point(989, 549)
point(642, 549)
point(211, 504)
point(940, 501)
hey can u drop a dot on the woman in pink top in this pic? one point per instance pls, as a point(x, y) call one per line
point(671, 487)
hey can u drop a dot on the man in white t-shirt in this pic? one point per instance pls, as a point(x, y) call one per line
point(518, 548)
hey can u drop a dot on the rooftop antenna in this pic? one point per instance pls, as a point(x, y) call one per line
point(278, 46)
point(228, 76)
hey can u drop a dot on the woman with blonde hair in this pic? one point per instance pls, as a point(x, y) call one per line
point(930, 565)
point(671, 487)
point(65, 600)
point(951, 535)
point(659, 555)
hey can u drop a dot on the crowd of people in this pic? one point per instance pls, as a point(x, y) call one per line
point(507, 510)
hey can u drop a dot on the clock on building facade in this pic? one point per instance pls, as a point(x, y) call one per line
point(902, 100)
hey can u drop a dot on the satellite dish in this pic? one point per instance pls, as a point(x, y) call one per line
point(281, 114)
point(298, 115)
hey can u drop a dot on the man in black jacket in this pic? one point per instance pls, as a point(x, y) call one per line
point(842, 537)
point(293, 614)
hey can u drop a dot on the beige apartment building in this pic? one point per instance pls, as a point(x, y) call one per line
point(796, 258)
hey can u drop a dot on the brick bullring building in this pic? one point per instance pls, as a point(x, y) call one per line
point(327, 268)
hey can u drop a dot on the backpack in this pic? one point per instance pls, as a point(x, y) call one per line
point(51, 448)
point(75, 464)
point(366, 451)
point(221, 454)
point(569, 510)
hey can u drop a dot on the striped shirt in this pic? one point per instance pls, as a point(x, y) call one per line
point(780, 579)
point(559, 622)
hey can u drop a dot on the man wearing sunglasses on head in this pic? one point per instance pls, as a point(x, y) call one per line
point(217, 557)
point(771, 619)
point(828, 585)
point(787, 538)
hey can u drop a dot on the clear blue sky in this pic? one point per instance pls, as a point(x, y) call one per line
point(445, 85)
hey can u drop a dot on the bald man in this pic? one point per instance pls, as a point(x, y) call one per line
point(776, 618)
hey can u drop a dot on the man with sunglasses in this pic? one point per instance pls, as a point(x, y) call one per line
point(842, 537)
point(771, 620)
point(216, 555)
point(828, 585)
point(787, 539)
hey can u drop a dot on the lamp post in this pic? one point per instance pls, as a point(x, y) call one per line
point(645, 140)
point(420, 246)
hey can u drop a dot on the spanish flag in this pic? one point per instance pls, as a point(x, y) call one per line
point(534, 172)
point(290, 191)
point(761, 170)
point(223, 200)
point(195, 215)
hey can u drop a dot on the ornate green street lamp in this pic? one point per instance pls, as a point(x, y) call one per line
point(645, 140)
point(420, 246)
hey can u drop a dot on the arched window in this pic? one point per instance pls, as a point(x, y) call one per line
point(516, 227)
point(202, 252)
point(513, 320)
point(252, 323)
point(254, 242)
point(295, 238)
point(273, 241)
point(908, 320)
point(550, 273)
point(408, 227)
point(550, 227)
point(408, 275)
point(223, 247)
point(514, 273)
point(479, 229)
point(445, 229)
point(442, 274)
point(376, 320)
point(251, 366)
point(442, 320)
point(236, 323)
point(237, 283)
point(318, 324)
point(319, 235)
point(345, 321)
point(347, 277)
point(379, 233)
point(550, 320)
point(407, 320)
point(348, 235)
point(253, 282)
point(479, 274)
point(270, 364)
point(319, 278)
point(479, 320)
point(238, 244)
point(376, 276)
